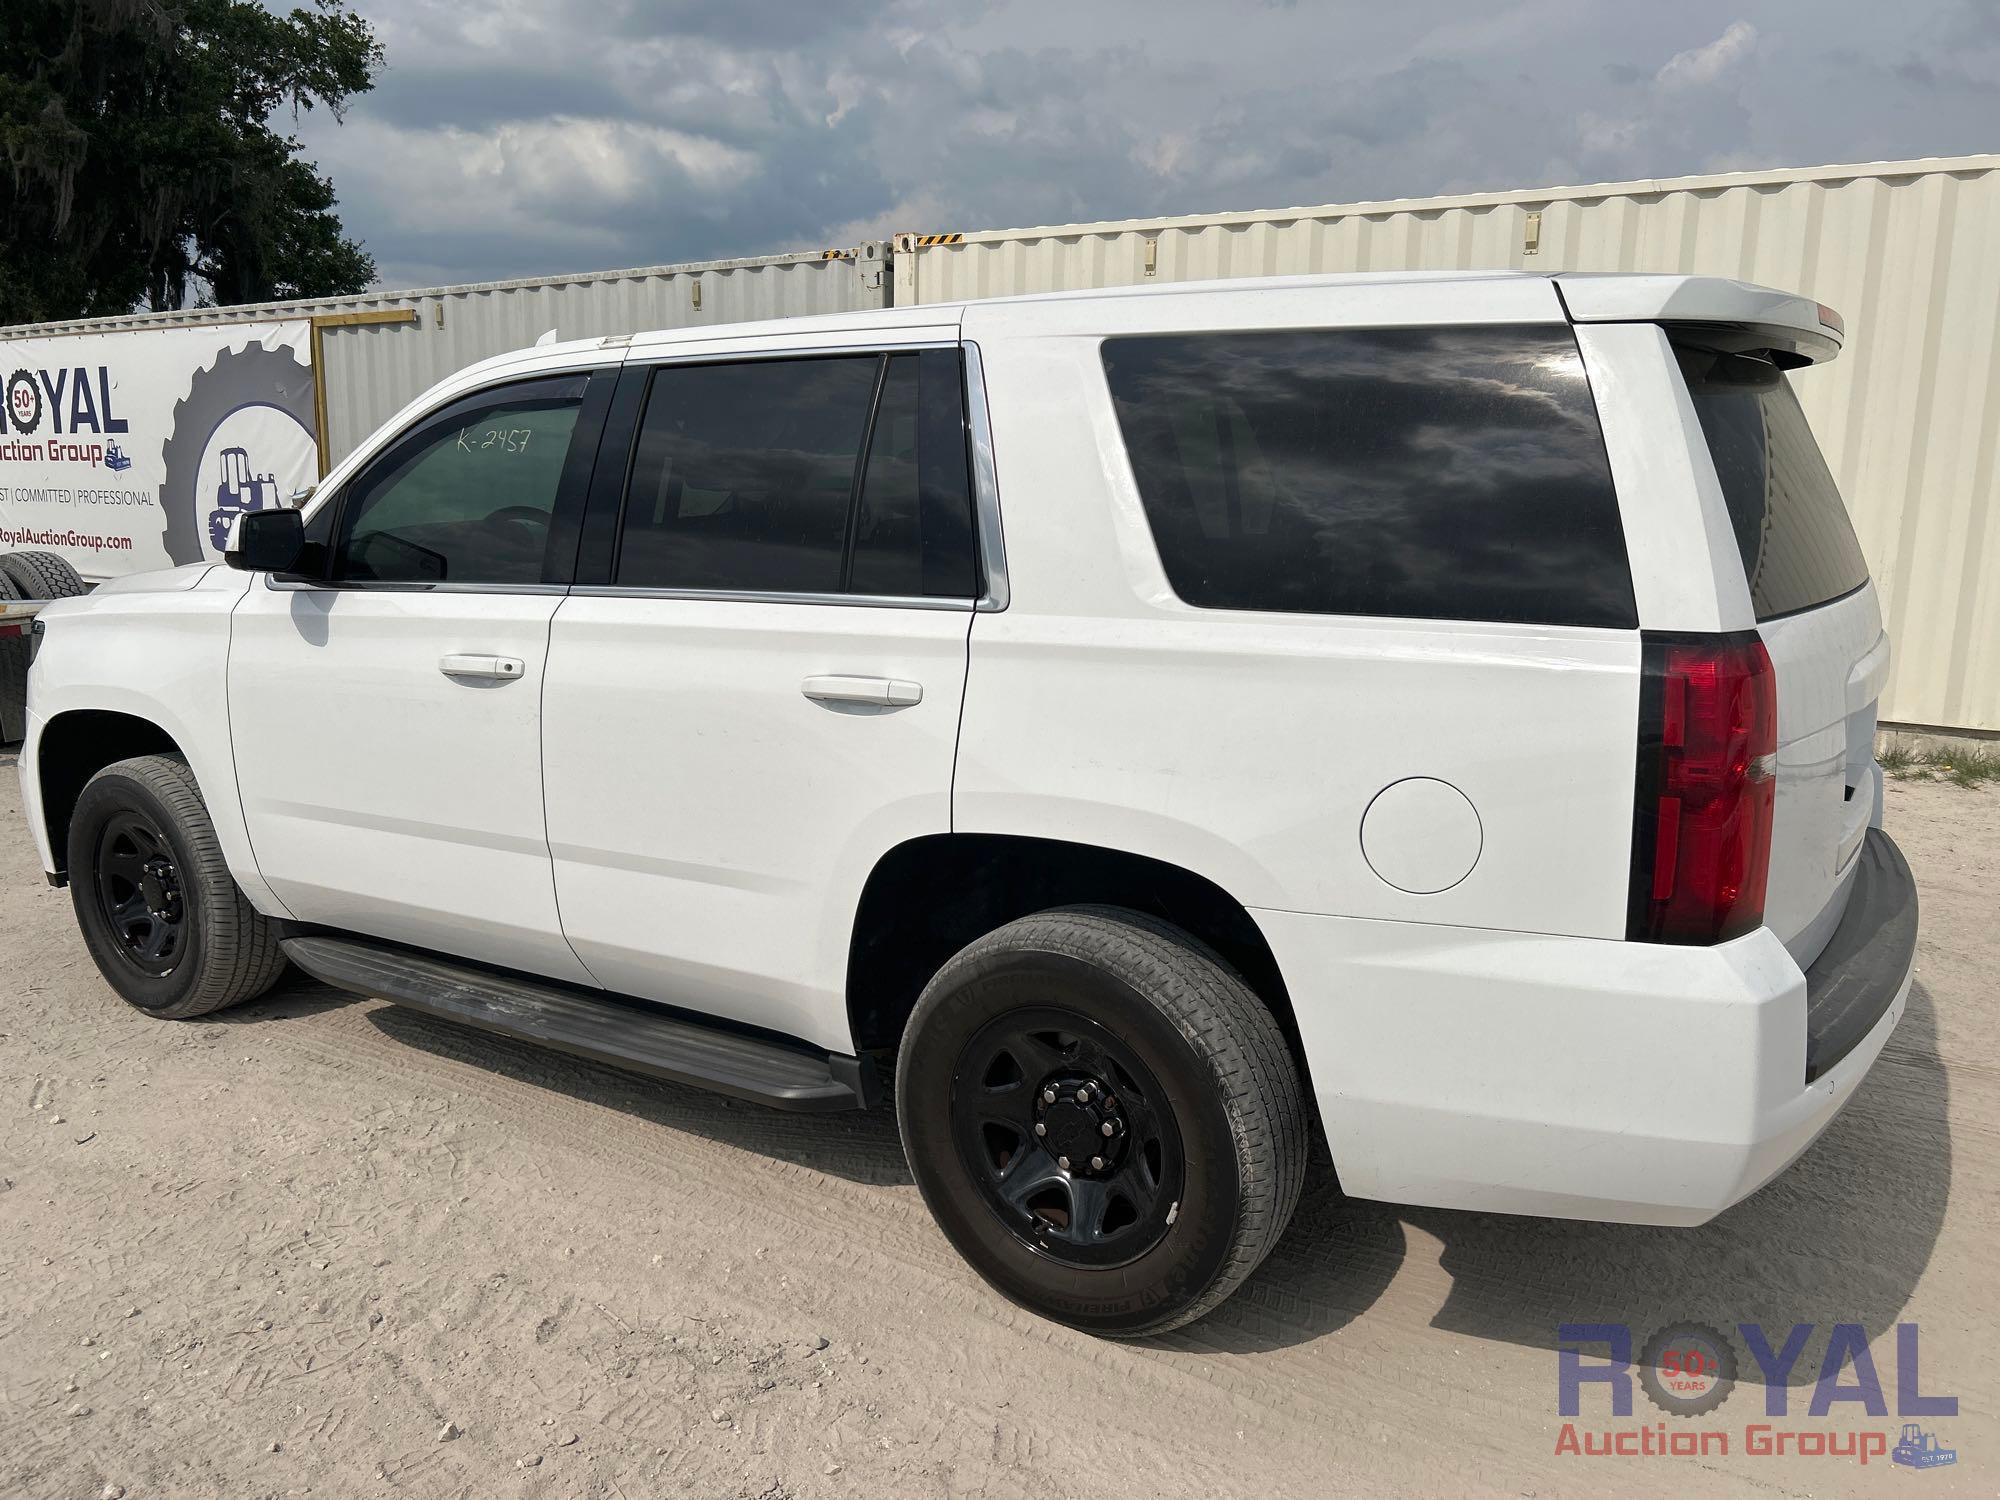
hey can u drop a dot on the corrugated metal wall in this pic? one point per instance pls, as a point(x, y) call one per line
point(1909, 415)
point(371, 370)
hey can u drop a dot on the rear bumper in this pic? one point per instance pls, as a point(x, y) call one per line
point(1862, 969)
point(1585, 1078)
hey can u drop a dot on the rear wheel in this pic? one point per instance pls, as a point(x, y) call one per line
point(160, 913)
point(1103, 1117)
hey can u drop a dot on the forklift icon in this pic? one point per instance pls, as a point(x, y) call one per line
point(239, 491)
point(115, 459)
point(1919, 1450)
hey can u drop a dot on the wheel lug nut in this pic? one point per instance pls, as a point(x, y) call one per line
point(1063, 1162)
point(1040, 1128)
point(1083, 1095)
point(1048, 1096)
point(1107, 1127)
point(1097, 1164)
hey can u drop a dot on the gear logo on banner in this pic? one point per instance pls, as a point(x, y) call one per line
point(246, 419)
point(24, 401)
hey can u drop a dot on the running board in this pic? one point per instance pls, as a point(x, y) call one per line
point(624, 1033)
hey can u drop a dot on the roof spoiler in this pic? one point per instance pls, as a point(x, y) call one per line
point(1793, 330)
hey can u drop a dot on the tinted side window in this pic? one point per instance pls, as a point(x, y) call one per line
point(913, 530)
point(468, 496)
point(744, 474)
point(1438, 473)
point(1797, 543)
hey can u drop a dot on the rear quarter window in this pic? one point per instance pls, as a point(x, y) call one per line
point(1798, 545)
point(1435, 473)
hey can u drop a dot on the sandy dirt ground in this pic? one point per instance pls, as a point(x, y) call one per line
point(321, 1245)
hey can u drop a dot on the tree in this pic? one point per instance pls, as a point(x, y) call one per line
point(139, 163)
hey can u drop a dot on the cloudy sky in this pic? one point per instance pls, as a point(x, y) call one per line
point(526, 137)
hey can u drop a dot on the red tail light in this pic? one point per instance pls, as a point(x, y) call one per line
point(1708, 753)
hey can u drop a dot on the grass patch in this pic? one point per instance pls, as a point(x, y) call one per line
point(1966, 766)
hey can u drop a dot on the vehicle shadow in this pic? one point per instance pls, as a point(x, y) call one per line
point(1841, 1237)
point(859, 1146)
point(292, 997)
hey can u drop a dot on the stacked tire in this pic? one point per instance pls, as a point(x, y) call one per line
point(26, 575)
point(41, 575)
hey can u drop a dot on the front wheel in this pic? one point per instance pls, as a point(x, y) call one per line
point(1104, 1119)
point(160, 913)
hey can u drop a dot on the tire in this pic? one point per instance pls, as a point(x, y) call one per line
point(13, 674)
point(1121, 1024)
point(42, 575)
point(147, 813)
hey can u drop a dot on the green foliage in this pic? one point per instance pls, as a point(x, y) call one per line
point(139, 165)
point(1962, 765)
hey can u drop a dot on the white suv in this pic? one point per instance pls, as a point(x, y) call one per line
point(1149, 726)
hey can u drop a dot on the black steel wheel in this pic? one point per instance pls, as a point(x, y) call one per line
point(1069, 1136)
point(166, 923)
point(137, 881)
point(1104, 1119)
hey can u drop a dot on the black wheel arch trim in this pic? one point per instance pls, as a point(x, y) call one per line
point(973, 883)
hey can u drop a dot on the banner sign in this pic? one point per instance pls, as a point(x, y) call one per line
point(128, 451)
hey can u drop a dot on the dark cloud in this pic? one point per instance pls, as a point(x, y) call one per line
point(551, 135)
point(420, 95)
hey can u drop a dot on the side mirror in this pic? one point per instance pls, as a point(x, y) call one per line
point(266, 541)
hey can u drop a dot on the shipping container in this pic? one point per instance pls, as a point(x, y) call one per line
point(1909, 415)
point(374, 353)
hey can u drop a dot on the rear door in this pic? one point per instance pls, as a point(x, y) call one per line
point(1819, 620)
point(754, 689)
point(386, 708)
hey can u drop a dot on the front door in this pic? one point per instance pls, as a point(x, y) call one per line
point(386, 715)
point(759, 695)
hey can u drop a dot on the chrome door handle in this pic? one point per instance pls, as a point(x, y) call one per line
point(463, 664)
point(883, 692)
